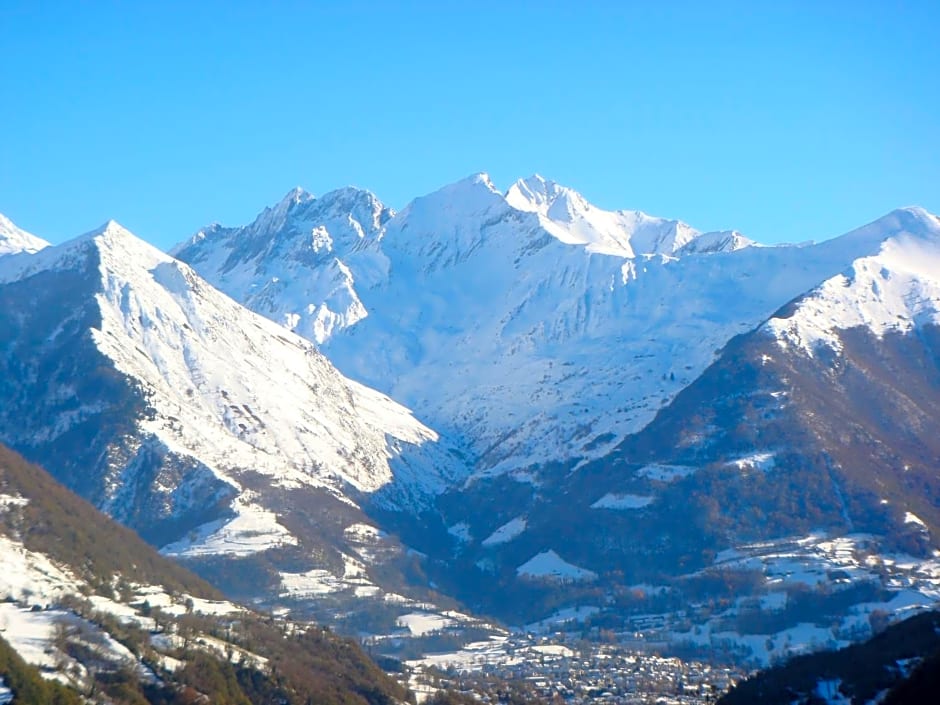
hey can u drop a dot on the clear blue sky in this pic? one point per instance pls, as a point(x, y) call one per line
point(785, 120)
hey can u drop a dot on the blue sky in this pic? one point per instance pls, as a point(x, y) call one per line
point(788, 121)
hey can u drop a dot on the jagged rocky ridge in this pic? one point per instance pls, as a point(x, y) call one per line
point(207, 428)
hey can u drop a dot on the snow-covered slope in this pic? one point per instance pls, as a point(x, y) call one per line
point(295, 262)
point(167, 403)
point(803, 458)
point(894, 290)
point(14, 239)
point(92, 605)
point(572, 220)
point(531, 324)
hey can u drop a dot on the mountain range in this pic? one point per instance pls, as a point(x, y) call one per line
point(515, 399)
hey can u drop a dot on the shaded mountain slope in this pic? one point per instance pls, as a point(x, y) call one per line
point(88, 601)
point(897, 666)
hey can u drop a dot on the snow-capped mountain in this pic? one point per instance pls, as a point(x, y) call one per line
point(531, 324)
point(606, 404)
point(805, 457)
point(183, 414)
point(14, 239)
point(572, 220)
point(644, 403)
point(896, 290)
point(294, 263)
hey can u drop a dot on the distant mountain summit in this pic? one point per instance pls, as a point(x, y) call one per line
point(568, 216)
point(14, 240)
point(191, 419)
point(895, 290)
point(532, 325)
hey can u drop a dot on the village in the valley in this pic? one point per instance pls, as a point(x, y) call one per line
point(522, 666)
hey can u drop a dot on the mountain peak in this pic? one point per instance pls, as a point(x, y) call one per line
point(528, 193)
point(481, 178)
point(472, 194)
point(479, 182)
point(111, 228)
point(909, 222)
point(274, 218)
point(295, 196)
point(353, 199)
point(717, 241)
point(917, 220)
point(892, 287)
point(537, 194)
point(14, 239)
point(110, 233)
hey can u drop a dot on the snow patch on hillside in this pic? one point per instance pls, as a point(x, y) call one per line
point(762, 461)
point(507, 532)
point(421, 623)
point(461, 532)
point(31, 634)
point(253, 529)
point(622, 501)
point(30, 577)
point(548, 565)
point(665, 473)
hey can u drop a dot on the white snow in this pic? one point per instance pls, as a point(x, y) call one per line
point(253, 529)
point(495, 650)
point(895, 289)
point(665, 473)
point(472, 656)
point(31, 577)
point(310, 583)
point(762, 461)
point(8, 500)
point(507, 532)
point(910, 518)
point(553, 650)
point(548, 565)
point(14, 240)
point(156, 596)
point(807, 559)
point(572, 220)
point(274, 276)
point(363, 532)
point(235, 393)
point(421, 623)
point(31, 634)
point(460, 531)
point(533, 324)
point(560, 617)
point(622, 501)
point(319, 581)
